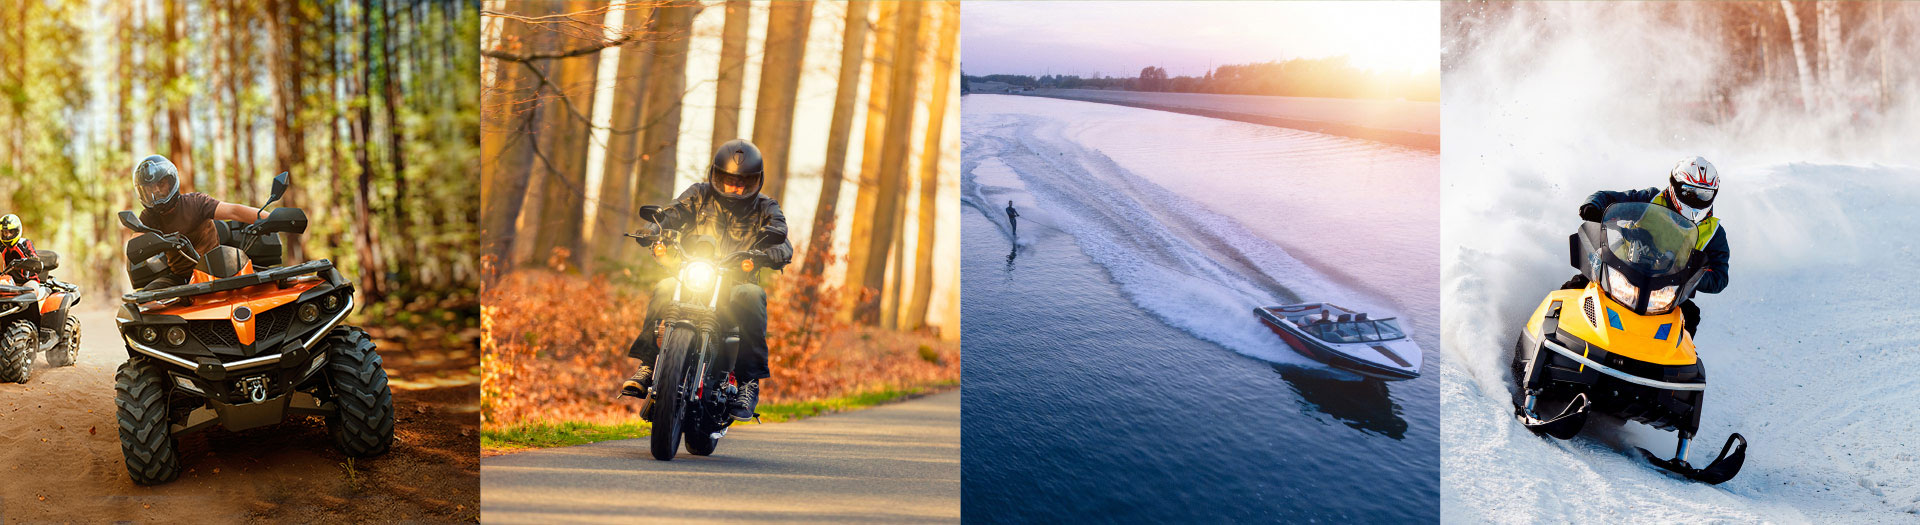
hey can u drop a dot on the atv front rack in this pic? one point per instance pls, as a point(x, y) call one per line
point(7, 289)
point(257, 278)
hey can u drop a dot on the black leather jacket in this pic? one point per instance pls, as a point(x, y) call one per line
point(735, 223)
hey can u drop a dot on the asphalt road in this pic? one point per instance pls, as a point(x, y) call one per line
point(898, 463)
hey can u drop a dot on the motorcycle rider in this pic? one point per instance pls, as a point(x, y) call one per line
point(192, 214)
point(14, 247)
point(729, 208)
point(1691, 187)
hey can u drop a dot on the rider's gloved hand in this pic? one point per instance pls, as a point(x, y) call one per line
point(179, 264)
point(1590, 213)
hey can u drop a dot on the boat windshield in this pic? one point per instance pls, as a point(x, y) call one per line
point(1652, 240)
point(1357, 331)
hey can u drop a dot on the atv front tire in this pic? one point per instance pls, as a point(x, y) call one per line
point(68, 352)
point(17, 347)
point(140, 391)
point(362, 421)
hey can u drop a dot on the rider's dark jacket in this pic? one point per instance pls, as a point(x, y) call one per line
point(1712, 242)
point(701, 210)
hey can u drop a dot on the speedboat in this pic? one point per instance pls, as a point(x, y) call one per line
point(1344, 338)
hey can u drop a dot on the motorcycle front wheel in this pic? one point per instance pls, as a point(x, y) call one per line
point(669, 379)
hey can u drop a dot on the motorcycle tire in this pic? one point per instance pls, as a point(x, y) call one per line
point(669, 378)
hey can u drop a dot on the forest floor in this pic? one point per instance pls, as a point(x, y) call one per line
point(556, 350)
point(62, 452)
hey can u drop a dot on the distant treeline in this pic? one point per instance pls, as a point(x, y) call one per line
point(1332, 77)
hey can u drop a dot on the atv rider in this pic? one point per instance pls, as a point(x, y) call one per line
point(729, 208)
point(15, 247)
point(191, 215)
point(1691, 187)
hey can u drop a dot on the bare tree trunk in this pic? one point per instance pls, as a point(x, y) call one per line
point(1833, 60)
point(179, 109)
point(853, 48)
point(666, 86)
point(867, 199)
point(733, 72)
point(944, 71)
point(786, 51)
point(373, 274)
point(396, 141)
point(1799, 56)
point(615, 205)
point(893, 154)
point(563, 193)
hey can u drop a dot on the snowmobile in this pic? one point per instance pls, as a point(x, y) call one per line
point(245, 343)
point(1619, 345)
point(693, 380)
point(34, 318)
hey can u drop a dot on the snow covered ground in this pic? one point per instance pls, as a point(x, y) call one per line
point(1199, 220)
point(1811, 351)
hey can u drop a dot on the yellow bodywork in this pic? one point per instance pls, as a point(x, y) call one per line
point(1638, 336)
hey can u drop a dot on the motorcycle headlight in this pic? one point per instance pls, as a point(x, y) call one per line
point(1662, 299)
point(176, 336)
point(699, 276)
point(1621, 290)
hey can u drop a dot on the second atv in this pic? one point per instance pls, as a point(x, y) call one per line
point(244, 344)
point(1619, 346)
point(35, 318)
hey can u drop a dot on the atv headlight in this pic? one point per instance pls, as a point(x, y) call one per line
point(1621, 290)
point(699, 276)
point(176, 336)
point(332, 302)
point(309, 312)
point(1662, 299)
point(148, 335)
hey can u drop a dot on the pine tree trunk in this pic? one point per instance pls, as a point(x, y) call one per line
point(853, 48)
point(786, 52)
point(944, 71)
point(733, 72)
point(867, 199)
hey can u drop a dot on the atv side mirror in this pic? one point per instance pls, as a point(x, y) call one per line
point(280, 184)
point(132, 222)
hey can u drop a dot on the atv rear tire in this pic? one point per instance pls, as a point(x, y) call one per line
point(669, 408)
point(140, 391)
point(362, 421)
point(17, 347)
point(68, 352)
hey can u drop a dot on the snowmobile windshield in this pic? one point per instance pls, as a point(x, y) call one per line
point(1651, 240)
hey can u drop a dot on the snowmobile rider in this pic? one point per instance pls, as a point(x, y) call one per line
point(1013, 219)
point(15, 247)
point(1690, 190)
point(729, 208)
point(191, 214)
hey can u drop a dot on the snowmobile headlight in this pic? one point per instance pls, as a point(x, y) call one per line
point(1620, 289)
point(699, 276)
point(176, 336)
point(1662, 299)
point(309, 312)
point(148, 335)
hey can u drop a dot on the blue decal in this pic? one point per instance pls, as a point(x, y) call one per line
point(1662, 333)
point(1613, 319)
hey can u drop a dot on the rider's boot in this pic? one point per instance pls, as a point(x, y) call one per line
point(636, 386)
point(744, 403)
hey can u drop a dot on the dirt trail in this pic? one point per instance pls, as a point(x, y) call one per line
point(60, 451)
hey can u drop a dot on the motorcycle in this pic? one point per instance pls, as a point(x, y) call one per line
point(245, 343)
point(1619, 346)
point(35, 318)
point(693, 380)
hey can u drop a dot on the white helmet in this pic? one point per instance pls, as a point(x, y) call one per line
point(1691, 187)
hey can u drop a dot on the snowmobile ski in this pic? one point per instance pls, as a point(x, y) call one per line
point(1722, 468)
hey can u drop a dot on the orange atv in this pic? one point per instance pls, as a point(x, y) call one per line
point(244, 344)
point(34, 318)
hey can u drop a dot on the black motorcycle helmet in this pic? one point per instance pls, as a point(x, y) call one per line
point(736, 164)
point(157, 181)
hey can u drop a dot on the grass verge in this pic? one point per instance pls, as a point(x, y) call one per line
point(548, 434)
